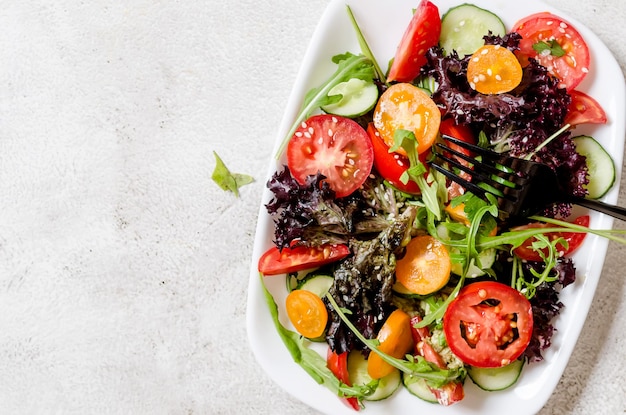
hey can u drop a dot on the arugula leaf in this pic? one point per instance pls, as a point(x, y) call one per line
point(364, 46)
point(226, 180)
point(552, 46)
point(416, 367)
point(349, 66)
point(406, 139)
point(311, 361)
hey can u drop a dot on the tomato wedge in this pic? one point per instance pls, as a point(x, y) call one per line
point(338, 364)
point(334, 146)
point(275, 261)
point(421, 34)
point(584, 110)
point(395, 340)
point(392, 165)
point(555, 44)
point(573, 239)
point(406, 107)
point(488, 324)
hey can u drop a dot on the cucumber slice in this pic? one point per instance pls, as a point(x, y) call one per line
point(419, 388)
point(498, 378)
point(599, 164)
point(357, 371)
point(318, 284)
point(463, 28)
point(358, 98)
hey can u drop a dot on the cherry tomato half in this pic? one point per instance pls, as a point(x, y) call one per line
point(406, 107)
point(555, 44)
point(392, 165)
point(488, 324)
point(584, 110)
point(573, 239)
point(421, 34)
point(334, 146)
point(493, 69)
point(275, 261)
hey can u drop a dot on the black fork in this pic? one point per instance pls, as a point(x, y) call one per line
point(521, 187)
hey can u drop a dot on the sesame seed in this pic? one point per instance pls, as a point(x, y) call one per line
point(307, 135)
point(334, 119)
point(330, 132)
point(304, 125)
point(498, 77)
point(585, 70)
point(489, 72)
point(311, 130)
point(298, 134)
point(484, 51)
point(563, 25)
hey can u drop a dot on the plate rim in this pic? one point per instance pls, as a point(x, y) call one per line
point(586, 283)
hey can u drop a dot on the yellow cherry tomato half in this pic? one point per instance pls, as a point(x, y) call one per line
point(494, 69)
point(395, 340)
point(425, 266)
point(307, 313)
point(404, 106)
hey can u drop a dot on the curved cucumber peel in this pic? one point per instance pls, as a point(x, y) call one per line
point(358, 97)
point(463, 28)
point(600, 166)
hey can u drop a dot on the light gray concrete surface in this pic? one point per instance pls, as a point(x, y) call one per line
point(123, 268)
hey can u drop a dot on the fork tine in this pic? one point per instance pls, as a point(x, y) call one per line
point(472, 187)
point(473, 148)
point(484, 166)
point(501, 180)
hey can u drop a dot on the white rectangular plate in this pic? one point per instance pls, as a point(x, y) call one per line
point(383, 23)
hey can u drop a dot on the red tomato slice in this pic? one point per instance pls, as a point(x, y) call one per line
point(274, 261)
point(449, 393)
point(334, 146)
point(488, 324)
point(338, 364)
point(544, 29)
point(574, 239)
point(421, 34)
point(390, 165)
point(584, 110)
point(461, 132)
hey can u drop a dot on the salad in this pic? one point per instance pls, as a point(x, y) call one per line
point(407, 280)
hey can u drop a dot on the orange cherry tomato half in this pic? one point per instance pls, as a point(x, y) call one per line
point(421, 34)
point(395, 340)
point(584, 110)
point(555, 44)
point(406, 107)
point(425, 266)
point(307, 313)
point(275, 261)
point(494, 69)
point(573, 239)
point(488, 324)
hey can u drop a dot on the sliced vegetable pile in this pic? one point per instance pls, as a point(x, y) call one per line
point(408, 278)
